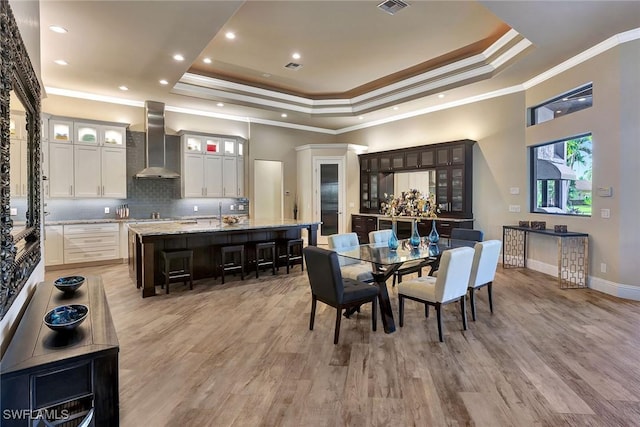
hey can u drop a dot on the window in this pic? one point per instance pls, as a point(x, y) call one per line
point(575, 100)
point(561, 176)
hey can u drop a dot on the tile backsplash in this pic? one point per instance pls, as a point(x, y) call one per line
point(144, 196)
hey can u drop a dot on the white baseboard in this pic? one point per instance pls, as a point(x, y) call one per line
point(619, 290)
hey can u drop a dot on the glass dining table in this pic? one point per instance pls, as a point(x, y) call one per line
point(385, 261)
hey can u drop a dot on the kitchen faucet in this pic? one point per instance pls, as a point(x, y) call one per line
point(220, 212)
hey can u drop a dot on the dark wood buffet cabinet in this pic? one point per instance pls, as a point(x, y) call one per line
point(451, 161)
point(54, 378)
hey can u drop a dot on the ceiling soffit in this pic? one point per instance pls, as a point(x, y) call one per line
point(479, 61)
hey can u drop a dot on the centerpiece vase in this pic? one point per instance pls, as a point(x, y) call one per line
point(393, 239)
point(414, 240)
point(433, 236)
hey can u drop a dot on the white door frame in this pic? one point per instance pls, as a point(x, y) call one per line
point(342, 188)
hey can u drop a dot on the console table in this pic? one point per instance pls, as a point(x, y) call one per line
point(62, 377)
point(573, 253)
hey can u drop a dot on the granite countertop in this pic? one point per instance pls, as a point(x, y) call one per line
point(411, 218)
point(134, 220)
point(177, 227)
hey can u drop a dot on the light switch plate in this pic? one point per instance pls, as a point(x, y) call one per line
point(232, 207)
point(195, 209)
point(241, 207)
point(514, 208)
point(605, 213)
point(106, 210)
point(514, 190)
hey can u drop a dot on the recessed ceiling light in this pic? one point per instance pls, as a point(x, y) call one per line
point(207, 60)
point(220, 104)
point(178, 57)
point(441, 95)
point(296, 55)
point(558, 112)
point(230, 35)
point(267, 75)
point(57, 29)
point(61, 62)
point(164, 82)
point(283, 115)
point(123, 87)
point(360, 117)
point(396, 108)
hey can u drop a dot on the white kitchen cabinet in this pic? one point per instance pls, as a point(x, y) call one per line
point(60, 170)
point(114, 172)
point(213, 176)
point(53, 245)
point(230, 177)
point(230, 147)
point(192, 175)
point(98, 134)
point(45, 168)
point(86, 171)
point(18, 167)
point(240, 183)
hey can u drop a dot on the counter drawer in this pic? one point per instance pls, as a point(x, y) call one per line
point(91, 228)
point(74, 255)
point(91, 240)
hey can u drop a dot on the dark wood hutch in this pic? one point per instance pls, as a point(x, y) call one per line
point(452, 163)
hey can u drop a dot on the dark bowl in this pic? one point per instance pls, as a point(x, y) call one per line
point(66, 317)
point(69, 284)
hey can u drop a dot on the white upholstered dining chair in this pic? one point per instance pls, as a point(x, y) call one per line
point(483, 271)
point(350, 268)
point(450, 286)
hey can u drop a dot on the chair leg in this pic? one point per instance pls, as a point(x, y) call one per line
point(337, 332)
point(273, 260)
point(242, 265)
point(439, 316)
point(472, 300)
point(394, 279)
point(374, 314)
point(463, 309)
point(426, 310)
point(489, 286)
point(313, 312)
point(401, 310)
point(190, 263)
point(167, 268)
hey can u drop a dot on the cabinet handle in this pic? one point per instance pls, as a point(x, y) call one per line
point(103, 190)
point(24, 189)
point(71, 190)
point(99, 193)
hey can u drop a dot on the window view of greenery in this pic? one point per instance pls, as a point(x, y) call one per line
point(562, 176)
point(560, 106)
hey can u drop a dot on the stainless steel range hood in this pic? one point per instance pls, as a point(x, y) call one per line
point(154, 145)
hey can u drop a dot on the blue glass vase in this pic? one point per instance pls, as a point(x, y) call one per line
point(414, 240)
point(393, 239)
point(433, 236)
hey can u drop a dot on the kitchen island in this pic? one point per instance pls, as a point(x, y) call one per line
point(147, 240)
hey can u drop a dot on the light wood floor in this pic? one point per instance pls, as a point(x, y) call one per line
point(241, 354)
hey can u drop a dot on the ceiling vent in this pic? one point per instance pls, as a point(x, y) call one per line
point(392, 6)
point(293, 66)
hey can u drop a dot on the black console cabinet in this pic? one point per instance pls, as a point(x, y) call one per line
point(62, 377)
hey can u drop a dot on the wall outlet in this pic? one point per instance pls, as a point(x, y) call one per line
point(106, 210)
point(603, 267)
point(514, 190)
point(241, 207)
point(514, 208)
point(232, 207)
point(195, 208)
point(605, 213)
point(13, 211)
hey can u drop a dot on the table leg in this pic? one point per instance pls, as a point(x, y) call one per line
point(313, 234)
point(381, 276)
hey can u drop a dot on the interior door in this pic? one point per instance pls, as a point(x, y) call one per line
point(329, 196)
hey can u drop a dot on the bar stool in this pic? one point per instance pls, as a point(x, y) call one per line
point(293, 255)
point(233, 265)
point(184, 273)
point(261, 250)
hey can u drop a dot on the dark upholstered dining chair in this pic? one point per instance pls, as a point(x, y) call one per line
point(329, 287)
point(467, 234)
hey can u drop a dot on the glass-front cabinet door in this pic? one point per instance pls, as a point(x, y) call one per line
point(240, 145)
point(114, 136)
point(213, 145)
point(457, 190)
point(60, 131)
point(229, 147)
point(412, 160)
point(86, 133)
point(193, 144)
point(442, 189)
